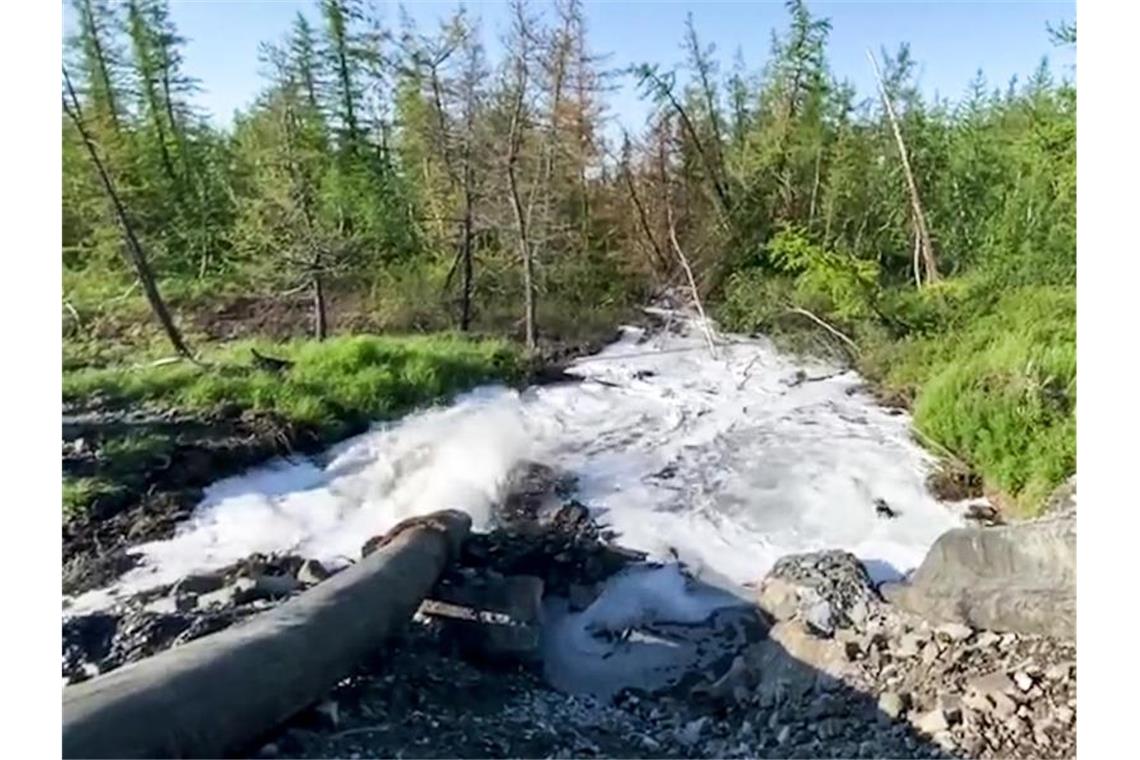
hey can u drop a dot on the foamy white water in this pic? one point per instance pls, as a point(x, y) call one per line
point(726, 464)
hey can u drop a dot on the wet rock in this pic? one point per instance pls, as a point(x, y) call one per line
point(199, 583)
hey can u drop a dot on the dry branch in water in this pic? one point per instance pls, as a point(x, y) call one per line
point(692, 282)
point(836, 333)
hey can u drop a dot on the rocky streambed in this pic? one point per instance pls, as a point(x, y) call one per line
point(670, 598)
point(815, 663)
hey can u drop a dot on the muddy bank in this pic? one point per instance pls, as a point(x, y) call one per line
point(152, 463)
point(156, 485)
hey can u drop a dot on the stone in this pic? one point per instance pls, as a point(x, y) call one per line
point(312, 572)
point(650, 744)
point(734, 679)
point(269, 751)
point(198, 583)
point(977, 702)
point(1018, 578)
point(828, 728)
point(1059, 671)
point(992, 683)
point(892, 703)
point(988, 640)
point(951, 707)
point(274, 586)
point(1065, 715)
point(931, 722)
point(908, 645)
point(784, 736)
point(1015, 725)
point(827, 590)
point(956, 631)
point(1023, 680)
point(1063, 499)
point(691, 733)
point(1003, 706)
point(241, 591)
point(945, 740)
point(330, 711)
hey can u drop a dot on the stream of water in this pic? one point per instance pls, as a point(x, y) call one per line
point(722, 463)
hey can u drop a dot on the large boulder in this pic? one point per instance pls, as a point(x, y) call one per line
point(1017, 578)
point(823, 590)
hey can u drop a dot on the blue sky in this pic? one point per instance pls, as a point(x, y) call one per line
point(950, 40)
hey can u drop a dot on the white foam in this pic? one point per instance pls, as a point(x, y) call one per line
point(726, 464)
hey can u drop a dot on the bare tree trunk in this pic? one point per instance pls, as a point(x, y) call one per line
point(719, 188)
point(514, 146)
point(320, 314)
point(692, 282)
point(468, 223)
point(134, 250)
point(524, 241)
point(643, 218)
point(927, 247)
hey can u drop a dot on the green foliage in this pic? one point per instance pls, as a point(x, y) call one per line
point(79, 494)
point(373, 168)
point(842, 285)
point(1001, 390)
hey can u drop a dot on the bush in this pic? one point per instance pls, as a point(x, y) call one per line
point(1000, 390)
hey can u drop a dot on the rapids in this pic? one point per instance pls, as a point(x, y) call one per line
point(719, 464)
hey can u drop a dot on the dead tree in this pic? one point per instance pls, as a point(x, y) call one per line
point(923, 243)
point(663, 87)
point(659, 258)
point(134, 251)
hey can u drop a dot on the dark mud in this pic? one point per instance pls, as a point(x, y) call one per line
point(174, 456)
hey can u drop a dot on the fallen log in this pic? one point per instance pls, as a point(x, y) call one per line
point(215, 695)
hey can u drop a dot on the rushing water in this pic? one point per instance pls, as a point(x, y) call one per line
point(724, 463)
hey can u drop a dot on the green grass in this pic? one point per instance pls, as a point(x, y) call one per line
point(80, 493)
point(999, 390)
point(331, 381)
point(332, 388)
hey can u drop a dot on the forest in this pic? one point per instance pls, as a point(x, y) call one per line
point(399, 214)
